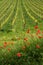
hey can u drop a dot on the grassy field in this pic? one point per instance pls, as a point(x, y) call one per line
point(21, 32)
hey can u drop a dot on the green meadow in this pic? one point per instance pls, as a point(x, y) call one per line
point(21, 32)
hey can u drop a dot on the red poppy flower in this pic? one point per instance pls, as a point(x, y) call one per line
point(37, 46)
point(36, 27)
point(19, 54)
point(28, 31)
point(38, 31)
point(9, 49)
point(25, 39)
point(5, 44)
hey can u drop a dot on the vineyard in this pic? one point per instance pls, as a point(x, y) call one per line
point(21, 32)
